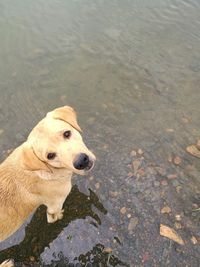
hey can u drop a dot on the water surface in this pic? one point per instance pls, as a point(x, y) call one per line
point(131, 69)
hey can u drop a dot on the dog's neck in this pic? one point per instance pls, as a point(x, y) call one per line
point(56, 174)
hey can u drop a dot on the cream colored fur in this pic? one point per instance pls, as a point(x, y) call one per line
point(28, 179)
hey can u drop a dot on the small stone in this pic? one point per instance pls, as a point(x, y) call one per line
point(123, 210)
point(91, 178)
point(178, 225)
point(32, 258)
point(165, 209)
point(194, 240)
point(129, 215)
point(170, 130)
point(177, 160)
point(133, 153)
point(1, 131)
point(172, 176)
point(164, 183)
point(140, 152)
point(178, 217)
point(113, 194)
point(132, 224)
point(97, 186)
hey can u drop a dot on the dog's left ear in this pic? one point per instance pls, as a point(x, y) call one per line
point(66, 114)
point(30, 160)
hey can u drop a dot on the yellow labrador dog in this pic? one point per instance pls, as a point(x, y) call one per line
point(40, 170)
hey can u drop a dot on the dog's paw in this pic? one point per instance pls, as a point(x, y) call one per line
point(7, 263)
point(60, 214)
point(53, 217)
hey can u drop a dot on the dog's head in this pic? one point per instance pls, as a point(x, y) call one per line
point(56, 142)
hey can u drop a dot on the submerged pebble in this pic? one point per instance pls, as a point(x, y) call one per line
point(123, 210)
point(132, 224)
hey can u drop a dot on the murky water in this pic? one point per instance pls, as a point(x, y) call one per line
point(132, 71)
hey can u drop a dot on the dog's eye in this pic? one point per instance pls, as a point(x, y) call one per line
point(51, 156)
point(67, 134)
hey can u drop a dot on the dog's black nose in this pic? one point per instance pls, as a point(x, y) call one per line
point(81, 162)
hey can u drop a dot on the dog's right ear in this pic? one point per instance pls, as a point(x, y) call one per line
point(66, 114)
point(31, 162)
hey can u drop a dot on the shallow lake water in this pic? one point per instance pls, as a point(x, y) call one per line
point(131, 69)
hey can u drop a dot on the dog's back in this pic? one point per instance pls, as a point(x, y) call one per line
point(14, 208)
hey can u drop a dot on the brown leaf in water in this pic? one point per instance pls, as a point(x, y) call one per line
point(193, 150)
point(136, 164)
point(198, 144)
point(170, 233)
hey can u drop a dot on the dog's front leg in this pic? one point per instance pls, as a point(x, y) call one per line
point(54, 213)
point(55, 204)
point(7, 263)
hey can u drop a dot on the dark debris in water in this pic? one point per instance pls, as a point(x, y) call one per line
point(39, 234)
point(97, 257)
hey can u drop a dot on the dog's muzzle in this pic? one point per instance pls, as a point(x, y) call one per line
point(83, 162)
